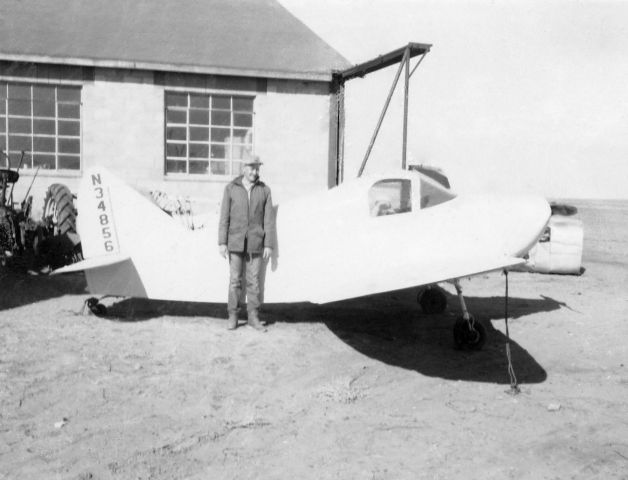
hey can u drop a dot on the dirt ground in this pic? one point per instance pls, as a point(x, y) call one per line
point(362, 389)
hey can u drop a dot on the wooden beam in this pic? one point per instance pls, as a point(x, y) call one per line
point(383, 61)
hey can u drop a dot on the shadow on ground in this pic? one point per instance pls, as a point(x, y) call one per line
point(392, 329)
point(142, 309)
point(17, 288)
point(387, 327)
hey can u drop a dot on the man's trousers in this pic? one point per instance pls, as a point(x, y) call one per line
point(252, 262)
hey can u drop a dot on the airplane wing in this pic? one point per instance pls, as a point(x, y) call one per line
point(389, 276)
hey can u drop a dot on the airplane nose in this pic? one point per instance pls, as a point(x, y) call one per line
point(526, 218)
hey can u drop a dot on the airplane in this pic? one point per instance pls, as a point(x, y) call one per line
point(376, 233)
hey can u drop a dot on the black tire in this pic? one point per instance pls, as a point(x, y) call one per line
point(432, 300)
point(465, 337)
point(7, 236)
point(96, 307)
point(59, 209)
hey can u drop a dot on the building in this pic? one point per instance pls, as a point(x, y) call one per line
point(170, 95)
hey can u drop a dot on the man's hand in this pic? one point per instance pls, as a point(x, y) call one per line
point(267, 252)
point(222, 249)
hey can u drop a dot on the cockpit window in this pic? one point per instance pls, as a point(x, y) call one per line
point(389, 197)
point(432, 194)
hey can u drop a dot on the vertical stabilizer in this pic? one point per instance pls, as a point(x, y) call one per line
point(96, 222)
point(132, 247)
point(113, 218)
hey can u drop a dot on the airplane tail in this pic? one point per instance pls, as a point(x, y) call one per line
point(114, 221)
point(133, 248)
point(119, 229)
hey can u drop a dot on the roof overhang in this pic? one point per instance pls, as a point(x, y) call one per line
point(169, 67)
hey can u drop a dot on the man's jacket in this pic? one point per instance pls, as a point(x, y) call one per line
point(244, 221)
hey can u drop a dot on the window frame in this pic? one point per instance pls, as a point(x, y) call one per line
point(230, 161)
point(376, 195)
point(32, 118)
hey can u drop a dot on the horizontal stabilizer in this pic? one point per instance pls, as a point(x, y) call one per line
point(91, 263)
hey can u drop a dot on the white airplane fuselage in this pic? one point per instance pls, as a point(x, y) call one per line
point(330, 246)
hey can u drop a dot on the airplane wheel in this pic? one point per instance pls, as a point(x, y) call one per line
point(432, 300)
point(464, 337)
point(96, 307)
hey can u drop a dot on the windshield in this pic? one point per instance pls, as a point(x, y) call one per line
point(390, 197)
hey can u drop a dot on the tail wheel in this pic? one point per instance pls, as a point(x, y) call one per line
point(96, 307)
point(59, 211)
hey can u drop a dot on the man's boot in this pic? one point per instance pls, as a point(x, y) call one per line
point(233, 321)
point(254, 321)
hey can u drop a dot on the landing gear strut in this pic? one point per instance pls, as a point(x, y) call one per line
point(468, 333)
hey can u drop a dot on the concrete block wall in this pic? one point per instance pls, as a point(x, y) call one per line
point(292, 127)
point(122, 122)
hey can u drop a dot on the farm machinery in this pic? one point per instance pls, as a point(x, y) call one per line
point(42, 244)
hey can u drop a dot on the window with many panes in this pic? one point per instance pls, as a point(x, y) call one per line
point(44, 121)
point(208, 134)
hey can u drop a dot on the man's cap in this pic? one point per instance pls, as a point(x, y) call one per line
point(253, 161)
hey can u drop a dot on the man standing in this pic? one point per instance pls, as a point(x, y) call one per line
point(247, 235)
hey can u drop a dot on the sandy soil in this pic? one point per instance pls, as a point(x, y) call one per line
point(365, 389)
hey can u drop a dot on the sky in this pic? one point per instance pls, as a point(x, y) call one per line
point(514, 96)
